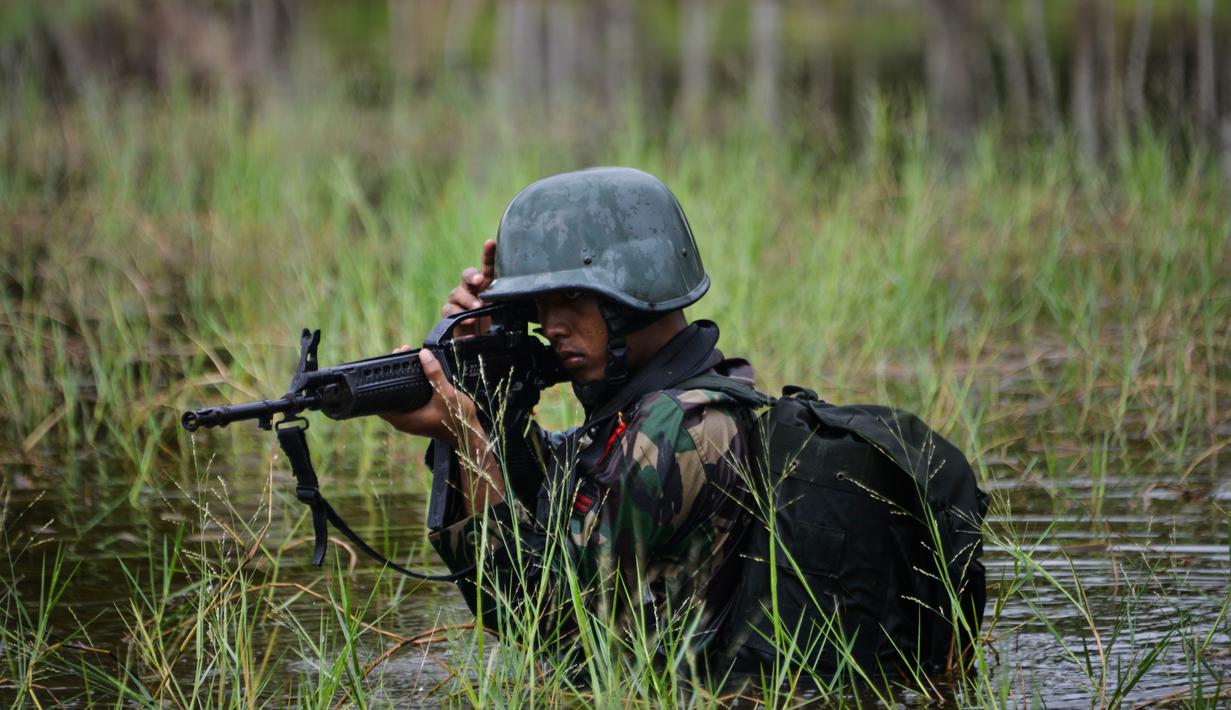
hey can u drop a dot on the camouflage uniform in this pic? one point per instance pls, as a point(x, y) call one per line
point(645, 516)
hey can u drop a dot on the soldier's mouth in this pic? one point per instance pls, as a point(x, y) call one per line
point(571, 359)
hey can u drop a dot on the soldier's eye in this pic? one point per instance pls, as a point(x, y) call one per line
point(572, 295)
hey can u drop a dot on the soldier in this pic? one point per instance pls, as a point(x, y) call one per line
point(641, 504)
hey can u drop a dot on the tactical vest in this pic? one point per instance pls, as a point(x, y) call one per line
point(863, 544)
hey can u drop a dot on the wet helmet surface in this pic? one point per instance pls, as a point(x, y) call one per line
point(618, 232)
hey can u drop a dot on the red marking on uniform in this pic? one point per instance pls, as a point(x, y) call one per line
point(614, 435)
point(583, 503)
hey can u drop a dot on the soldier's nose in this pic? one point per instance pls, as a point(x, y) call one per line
point(555, 328)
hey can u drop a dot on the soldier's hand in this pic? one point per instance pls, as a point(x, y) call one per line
point(466, 296)
point(449, 415)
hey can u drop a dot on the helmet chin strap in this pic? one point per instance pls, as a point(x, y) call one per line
point(621, 322)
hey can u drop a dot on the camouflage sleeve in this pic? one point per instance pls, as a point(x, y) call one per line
point(461, 544)
point(455, 542)
point(504, 537)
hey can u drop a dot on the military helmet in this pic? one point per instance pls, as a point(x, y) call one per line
point(618, 232)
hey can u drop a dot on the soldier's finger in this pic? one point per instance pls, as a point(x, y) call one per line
point(402, 348)
point(434, 372)
point(462, 296)
point(472, 279)
point(489, 262)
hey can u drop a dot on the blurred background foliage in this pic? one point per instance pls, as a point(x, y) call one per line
point(1104, 70)
point(221, 171)
point(203, 150)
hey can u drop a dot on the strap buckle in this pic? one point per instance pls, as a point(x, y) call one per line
point(309, 495)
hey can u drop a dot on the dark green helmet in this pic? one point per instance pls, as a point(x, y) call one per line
point(618, 232)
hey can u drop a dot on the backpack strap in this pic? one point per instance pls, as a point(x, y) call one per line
point(739, 391)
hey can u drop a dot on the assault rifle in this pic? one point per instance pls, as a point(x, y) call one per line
point(504, 369)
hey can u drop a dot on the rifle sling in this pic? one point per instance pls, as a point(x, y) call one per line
point(307, 490)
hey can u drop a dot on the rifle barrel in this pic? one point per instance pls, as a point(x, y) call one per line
point(265, 408)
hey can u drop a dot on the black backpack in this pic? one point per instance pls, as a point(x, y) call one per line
point(878, 521)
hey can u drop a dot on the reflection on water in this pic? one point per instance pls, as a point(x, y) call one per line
point(1151, 564)
point(1153, 569)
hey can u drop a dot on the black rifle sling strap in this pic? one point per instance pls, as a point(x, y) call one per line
point(307, 489)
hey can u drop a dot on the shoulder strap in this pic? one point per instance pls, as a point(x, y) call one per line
point(690, 352)
point(714, 382)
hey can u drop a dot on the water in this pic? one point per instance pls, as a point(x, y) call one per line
point(1153, 565)
point(1151, 559)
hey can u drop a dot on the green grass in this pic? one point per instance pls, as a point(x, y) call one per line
point(161, 252)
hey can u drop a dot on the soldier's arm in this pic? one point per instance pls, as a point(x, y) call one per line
point(451, 416)
point(487, 533)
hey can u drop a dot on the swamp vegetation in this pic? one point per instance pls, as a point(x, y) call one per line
point(1066, 327)
point(1065, 322)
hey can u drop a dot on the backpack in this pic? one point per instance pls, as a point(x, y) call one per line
point(878, 527)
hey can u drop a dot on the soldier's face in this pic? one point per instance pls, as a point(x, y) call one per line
point(572, 322)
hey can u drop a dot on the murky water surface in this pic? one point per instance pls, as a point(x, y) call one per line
point(1146, 554)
